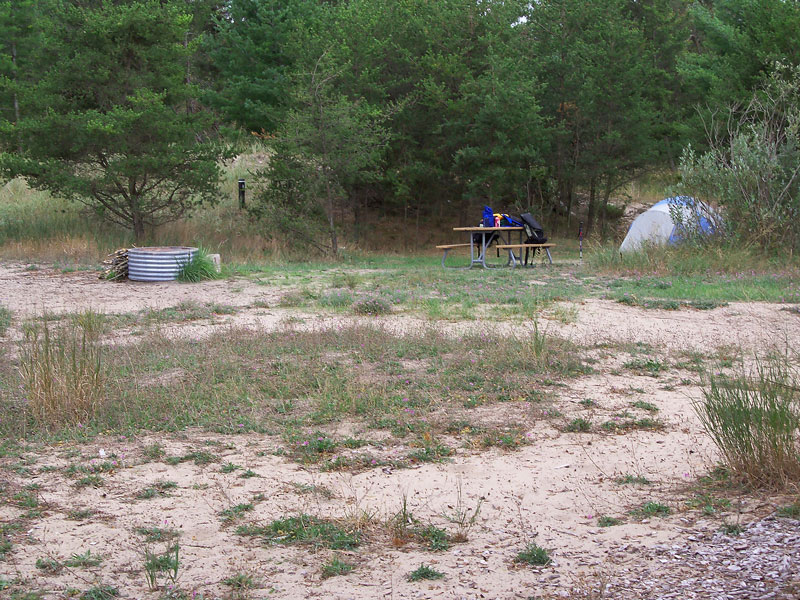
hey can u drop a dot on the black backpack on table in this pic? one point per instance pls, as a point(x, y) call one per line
point(534, 232)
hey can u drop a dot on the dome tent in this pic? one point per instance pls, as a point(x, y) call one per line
point(656, 225)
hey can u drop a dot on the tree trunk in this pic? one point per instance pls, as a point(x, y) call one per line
point(331, 222)
point(606, 196)
point(416, 233)
point(138, 228)
point(592, 214)
point(405, 225)
point(16, 99)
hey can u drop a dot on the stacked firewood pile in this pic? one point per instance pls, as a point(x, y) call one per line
point(116, 266)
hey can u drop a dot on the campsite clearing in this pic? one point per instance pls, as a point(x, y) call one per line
point(292, 447)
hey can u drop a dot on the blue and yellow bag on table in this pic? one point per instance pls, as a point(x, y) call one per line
point(493, 219)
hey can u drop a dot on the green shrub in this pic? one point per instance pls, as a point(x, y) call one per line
point(754, 420)
point(751, 164)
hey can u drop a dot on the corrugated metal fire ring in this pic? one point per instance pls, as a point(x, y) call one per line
point(158, 263)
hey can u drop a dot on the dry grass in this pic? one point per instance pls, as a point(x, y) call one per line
point(62, 373)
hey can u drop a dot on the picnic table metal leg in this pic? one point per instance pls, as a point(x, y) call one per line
point(550, 258)
point(444, 258)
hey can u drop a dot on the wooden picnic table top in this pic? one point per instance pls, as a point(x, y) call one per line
point(479, 229)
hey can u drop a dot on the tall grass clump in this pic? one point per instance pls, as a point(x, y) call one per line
point(754, 419)
point(199, 268)
point(62, 373)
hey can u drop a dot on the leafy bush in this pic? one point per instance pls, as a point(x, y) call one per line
point(754, 419)
point(753, 165)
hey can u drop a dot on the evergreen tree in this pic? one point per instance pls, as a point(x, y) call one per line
point(108, 122)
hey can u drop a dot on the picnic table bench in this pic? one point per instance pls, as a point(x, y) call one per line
point(487, 237)
point(514, 259)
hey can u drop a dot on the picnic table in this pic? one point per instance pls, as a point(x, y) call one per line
point(504, 235)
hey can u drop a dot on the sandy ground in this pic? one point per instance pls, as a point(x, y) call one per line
point(751, 326)
point(550, 492)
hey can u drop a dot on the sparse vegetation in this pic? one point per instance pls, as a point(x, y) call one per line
point(304, 529)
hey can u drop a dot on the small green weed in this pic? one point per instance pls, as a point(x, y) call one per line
point(241, 581)
point(156, 534)
point(94, 481)
point(49, 565)
point(336, 567)
point(87, 559)
point(25, 500)
point(646, 366)
point(629, 479)
point(424, 572)
point(80, 514)
point(432, 452)
point(510, 439)
point(164, 563)
point(100, 592)
point(709, 504)
point(235, 512)
point(649, 407)
point(198, 457)
point(791, 511)
point(652, 509)
point(5, 320)
point(731, 529)
point(579, 425)
point(534, 555)
point(608, 521)
point(436, 539)
point(618, 424)
point(159, 489)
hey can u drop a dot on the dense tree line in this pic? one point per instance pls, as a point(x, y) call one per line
point(410, 107)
